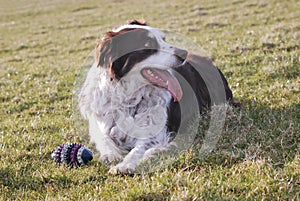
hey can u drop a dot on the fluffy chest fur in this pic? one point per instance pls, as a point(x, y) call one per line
point(128, 112)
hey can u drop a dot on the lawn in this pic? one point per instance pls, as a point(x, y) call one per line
point(43, 45)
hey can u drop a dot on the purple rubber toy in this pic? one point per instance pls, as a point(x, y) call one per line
point(72, 154)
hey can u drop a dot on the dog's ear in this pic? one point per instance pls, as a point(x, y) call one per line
point(120, 51)
point(107, 48)
point(138, 22)
point(102, 53)
point(110, 55)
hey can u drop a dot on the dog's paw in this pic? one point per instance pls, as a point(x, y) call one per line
point(110, 158)
point(122, 168)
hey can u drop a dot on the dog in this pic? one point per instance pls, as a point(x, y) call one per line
point(134, 93)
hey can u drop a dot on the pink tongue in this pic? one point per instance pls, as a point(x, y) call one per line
point(163, 79)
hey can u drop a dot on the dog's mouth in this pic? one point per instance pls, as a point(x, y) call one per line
point(164, 79)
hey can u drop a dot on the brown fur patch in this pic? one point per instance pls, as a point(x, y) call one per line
point(138, 22)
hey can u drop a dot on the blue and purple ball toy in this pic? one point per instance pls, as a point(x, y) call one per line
point(72, 154)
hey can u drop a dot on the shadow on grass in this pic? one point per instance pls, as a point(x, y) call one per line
point(25, 179)
point(256, 132)
point(22, 179)
point(153, 196)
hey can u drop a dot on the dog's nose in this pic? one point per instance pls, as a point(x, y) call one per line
point(181, 53)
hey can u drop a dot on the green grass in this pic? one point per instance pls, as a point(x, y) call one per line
point(43, 45)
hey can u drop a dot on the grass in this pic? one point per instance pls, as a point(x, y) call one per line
point(256, 45)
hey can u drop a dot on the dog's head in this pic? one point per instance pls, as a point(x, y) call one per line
point(139, 48)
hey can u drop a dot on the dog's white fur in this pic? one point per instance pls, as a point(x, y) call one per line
point(108, 106)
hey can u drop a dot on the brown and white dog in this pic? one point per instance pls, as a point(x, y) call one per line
point(135, 91)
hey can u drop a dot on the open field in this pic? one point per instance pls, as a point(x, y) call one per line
point(257, 45)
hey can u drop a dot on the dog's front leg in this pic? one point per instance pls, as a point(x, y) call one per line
point(98, 133)
point(130, 162)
